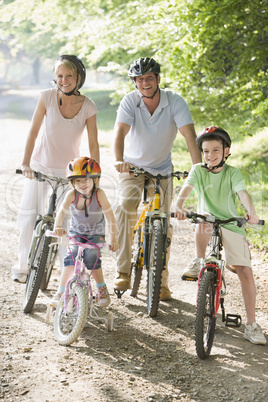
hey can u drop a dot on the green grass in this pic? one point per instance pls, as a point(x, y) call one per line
point(251, 157)
point(106, 112)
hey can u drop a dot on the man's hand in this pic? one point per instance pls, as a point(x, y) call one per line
point(122, 167)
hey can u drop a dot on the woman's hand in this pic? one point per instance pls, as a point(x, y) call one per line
point(27, 171)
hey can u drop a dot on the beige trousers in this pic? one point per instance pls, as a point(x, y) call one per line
point(130, 193)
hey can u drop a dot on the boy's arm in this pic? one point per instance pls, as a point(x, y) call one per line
point(109, 215)
point(184, 193)
point(64, 208)
point(248, 204)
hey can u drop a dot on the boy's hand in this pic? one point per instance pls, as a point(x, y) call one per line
point(181, 214)
point(60, 232)
point(253, 218)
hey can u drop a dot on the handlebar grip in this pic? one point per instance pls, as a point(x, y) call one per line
point(172, 214)
point(18, 171)
point(261, 222)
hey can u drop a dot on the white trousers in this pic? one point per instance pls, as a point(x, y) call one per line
point(34, 202)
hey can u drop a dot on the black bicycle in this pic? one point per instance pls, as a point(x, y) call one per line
point(42, 257)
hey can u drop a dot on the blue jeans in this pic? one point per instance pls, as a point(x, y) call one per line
point(90, 255)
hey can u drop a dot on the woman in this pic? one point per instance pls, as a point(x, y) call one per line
point(63, 114)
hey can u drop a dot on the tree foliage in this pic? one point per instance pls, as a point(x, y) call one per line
point(212, 52)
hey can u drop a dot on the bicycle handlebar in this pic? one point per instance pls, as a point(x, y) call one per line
point(137, 171)
point(42, 177)
point(212, 219)
point(67, 240)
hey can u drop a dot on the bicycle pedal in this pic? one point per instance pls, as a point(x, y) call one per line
point(189, 278)
point(119, 293)
point(233, 320)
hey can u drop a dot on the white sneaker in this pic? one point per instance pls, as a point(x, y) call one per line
point(20, 278)
point(191, 272)
point(253, 333)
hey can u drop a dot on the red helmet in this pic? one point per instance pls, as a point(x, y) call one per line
point(213, 131)
point(83, 167)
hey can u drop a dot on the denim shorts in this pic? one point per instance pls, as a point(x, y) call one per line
point(90, 255)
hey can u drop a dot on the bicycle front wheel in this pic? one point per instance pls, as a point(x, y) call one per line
point(49, 267)
point(205, 321)
point(155, 267)
point(69, 324)
point(136, 264)
point(37, 269)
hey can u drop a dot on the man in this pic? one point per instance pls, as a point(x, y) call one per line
point(146, 126)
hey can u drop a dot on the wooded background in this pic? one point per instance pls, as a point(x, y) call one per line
point(214, 53)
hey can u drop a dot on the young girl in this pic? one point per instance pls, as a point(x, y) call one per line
point(88, 205)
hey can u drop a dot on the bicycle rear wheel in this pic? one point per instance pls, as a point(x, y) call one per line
point(69, 325)
point(205, 321)
point(136, 264)
point(37, 269)
point(156, 247)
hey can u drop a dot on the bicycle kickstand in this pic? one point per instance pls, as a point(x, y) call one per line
point(119, 293)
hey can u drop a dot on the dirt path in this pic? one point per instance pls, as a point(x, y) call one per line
point(143, 359)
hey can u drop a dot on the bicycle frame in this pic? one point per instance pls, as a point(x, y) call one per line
point(216, 264)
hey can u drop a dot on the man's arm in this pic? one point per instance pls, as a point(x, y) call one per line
point(121, 130)
point(188, 132)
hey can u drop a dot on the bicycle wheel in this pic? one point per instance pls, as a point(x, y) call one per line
point(69, 325)
point(37, 269)
point(155, 267)
point(49, 267)
point(205, 321)
point(136, 264)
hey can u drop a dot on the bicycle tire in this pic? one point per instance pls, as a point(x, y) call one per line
point(69, 325)
point(49, 267)
point(205, 321)
point(155, 267)
point(136, 266)
point(37, 269)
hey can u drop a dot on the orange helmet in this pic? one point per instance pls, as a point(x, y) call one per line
point(83, 167)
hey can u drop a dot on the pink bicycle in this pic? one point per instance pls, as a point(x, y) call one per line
point(77, 304)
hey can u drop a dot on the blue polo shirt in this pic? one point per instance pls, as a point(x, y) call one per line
point(149, 142)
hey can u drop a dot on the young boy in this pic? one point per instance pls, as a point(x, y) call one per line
point(217, 184)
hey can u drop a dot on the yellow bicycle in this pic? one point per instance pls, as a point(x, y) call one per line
point(150, 240)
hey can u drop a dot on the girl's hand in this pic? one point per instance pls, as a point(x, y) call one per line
point(27, 171)
point(60, 232)
point(181, 214)
point(253, 219)
point(114, 245)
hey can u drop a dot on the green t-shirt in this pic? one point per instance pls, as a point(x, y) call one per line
point(217, 192)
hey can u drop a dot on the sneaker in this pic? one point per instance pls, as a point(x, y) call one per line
point(253, 333)
point(122, 281)
point(20, 278)
point(191, 272)
point(55, 301)
point(103, 297)
point(165, 293)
